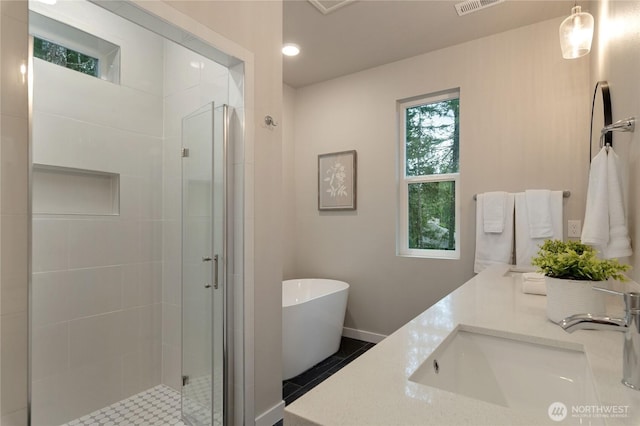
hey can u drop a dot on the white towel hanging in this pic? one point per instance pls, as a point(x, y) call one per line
point(619, 244)
point(539, 213)
point(493, 248)
point(495, 210)
point(527, 247)
point(595, 231)
point(605, 226)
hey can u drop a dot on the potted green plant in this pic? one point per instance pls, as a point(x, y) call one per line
point(572, 269)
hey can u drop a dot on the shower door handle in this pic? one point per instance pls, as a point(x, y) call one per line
point(209, 259)
point(215, 271)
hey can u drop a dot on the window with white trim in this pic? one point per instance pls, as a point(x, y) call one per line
point(72, 48)
point(429, 167)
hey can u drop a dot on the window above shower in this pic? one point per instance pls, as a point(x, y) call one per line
point(69, 47)
point(65, 57)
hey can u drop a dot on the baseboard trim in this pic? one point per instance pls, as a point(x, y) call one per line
point(366, 336)
point(271, 416)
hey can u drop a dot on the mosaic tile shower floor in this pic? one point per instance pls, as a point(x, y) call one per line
point(197, 397)
point(158, 406)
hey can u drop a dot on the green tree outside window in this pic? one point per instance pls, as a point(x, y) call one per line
point(63, 56)
point(432, 148)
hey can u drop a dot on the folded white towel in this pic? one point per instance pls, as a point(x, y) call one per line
point(595, 231)
point(492, 248)
point(533, 276)
point(539, 213)
point(534, 283)
point(527, 247)
point(494, 206)
point(619, 244)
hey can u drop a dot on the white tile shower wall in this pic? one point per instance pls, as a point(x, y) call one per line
point(194, 82)
point(97, 280)
point(137, 59)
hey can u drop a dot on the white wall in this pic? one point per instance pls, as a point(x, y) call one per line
point(288, 182)
point(524, 124)
point(97, 279)
point(616, 59)
point(14, 162)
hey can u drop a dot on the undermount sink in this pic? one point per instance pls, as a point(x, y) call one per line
point(511, 370)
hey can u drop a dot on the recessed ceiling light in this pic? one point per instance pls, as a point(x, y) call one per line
point(290, 49)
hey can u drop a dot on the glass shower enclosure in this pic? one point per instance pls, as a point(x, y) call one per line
point(204, 243)
point(136, 251)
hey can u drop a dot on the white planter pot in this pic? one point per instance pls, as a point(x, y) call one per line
point(569, 297)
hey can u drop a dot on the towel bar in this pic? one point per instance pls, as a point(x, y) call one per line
point(626, 125)
point(565, 194)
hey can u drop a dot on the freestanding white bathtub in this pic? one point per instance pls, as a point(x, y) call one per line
point(312, 319)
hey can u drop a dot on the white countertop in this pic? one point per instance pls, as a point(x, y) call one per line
point(375, 390)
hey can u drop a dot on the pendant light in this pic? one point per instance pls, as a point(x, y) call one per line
point(576, 33)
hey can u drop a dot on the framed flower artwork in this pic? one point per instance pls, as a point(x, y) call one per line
point(337, 180)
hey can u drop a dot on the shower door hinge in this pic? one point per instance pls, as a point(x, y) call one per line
point(185, 152)
point(185, 380)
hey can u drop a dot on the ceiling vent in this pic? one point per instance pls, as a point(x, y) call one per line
point(328, 6)
point(470, 6)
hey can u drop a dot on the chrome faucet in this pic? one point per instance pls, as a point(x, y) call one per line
point(630, 325)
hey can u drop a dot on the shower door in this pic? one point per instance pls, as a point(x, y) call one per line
point(203, 244)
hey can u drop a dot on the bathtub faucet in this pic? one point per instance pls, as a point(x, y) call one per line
point(630, 325)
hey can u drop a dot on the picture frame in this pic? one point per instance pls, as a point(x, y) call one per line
point(337, 180)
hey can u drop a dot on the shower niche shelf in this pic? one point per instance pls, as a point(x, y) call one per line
point(65, 190)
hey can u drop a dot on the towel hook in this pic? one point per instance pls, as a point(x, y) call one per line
point(269, 121)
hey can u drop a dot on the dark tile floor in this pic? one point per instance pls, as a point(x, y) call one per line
point(350, 349)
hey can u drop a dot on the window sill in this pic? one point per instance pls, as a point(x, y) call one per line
point(436, 256)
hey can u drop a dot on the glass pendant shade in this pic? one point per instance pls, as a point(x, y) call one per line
point(576, 33)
